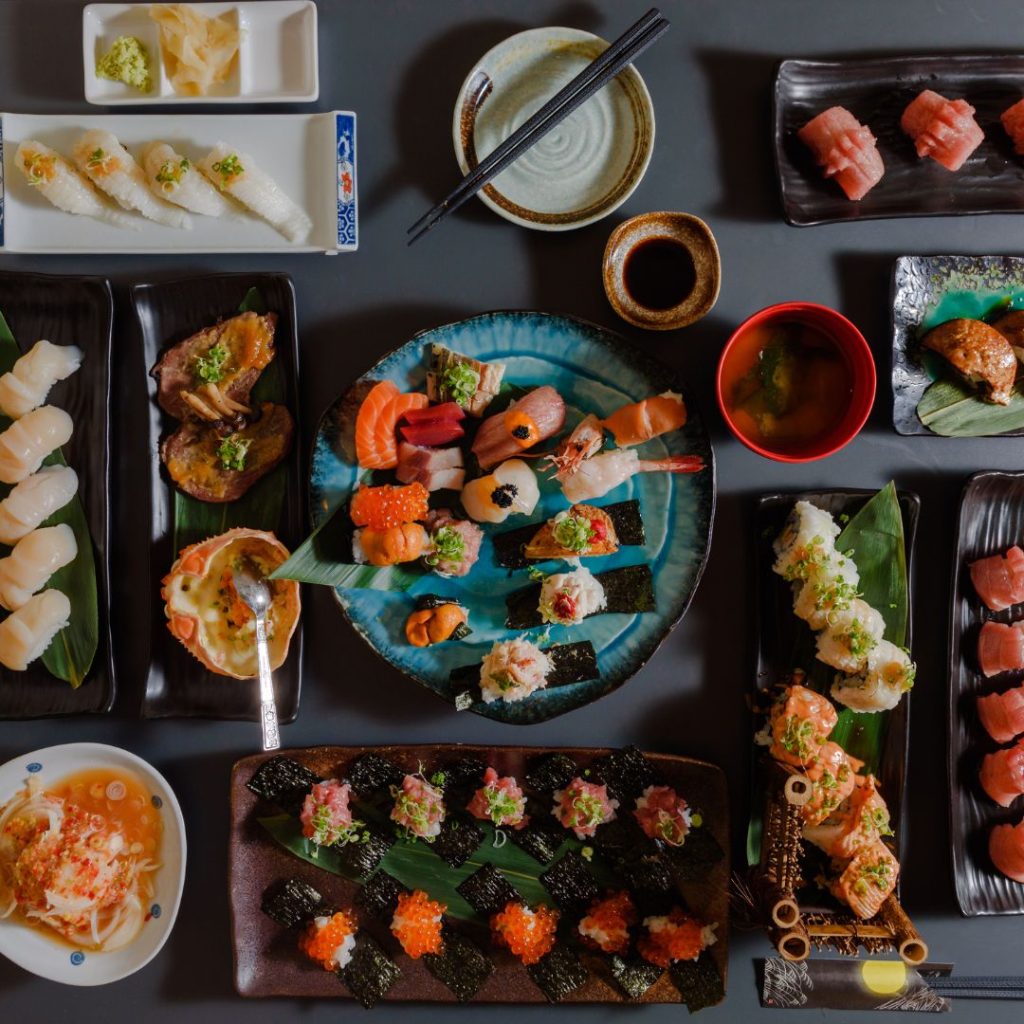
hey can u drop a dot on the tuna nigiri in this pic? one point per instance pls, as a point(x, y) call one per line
point(534, 417)
point(943, 129)
point(640, 421)
point(1001, 647)
point(845, 149)
point(1006, 848)
point(999, 579)
point(1013, 122)
point(602, 473)
point(1002, 774)
point(1002, 714)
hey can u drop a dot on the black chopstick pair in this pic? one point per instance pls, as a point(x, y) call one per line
point(598, 73)
point(977, 987)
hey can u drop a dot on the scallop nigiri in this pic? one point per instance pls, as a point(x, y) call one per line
point(29, 381)
point(33, 561)
point(1006, 848)
point(113, 170)
point(510, 489)
point(172, 176)
point(26, 633)
point(533, 418)
point(35, 500)
point(999, 579)
point(829, 589)
point(27, 441)
point(641, 421)
point(237, 174)
point(1002, 774)
point(604, 472)
point(1002, 714)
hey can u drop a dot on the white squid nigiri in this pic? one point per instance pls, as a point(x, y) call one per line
point(33, 561)
point(26, 633)
point(26, 386)
point(112, 169)
point(57, 181)
point(237, 174)
point(601, 473)
point(172, 176)
point(34, 500)
point(27, 441)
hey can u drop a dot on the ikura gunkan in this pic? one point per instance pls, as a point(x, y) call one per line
point(78, 858)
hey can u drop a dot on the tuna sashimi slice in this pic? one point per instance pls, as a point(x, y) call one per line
point(943, 129)
point(1013, 122)
point(999, 579)
point(1001, 647)
point(1002, 774)
point(1002, 714)
point(1006, 848)
point(845, 149)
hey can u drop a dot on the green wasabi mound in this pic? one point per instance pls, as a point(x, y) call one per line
point(126, 61)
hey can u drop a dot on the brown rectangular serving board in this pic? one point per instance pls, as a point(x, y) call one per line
point(267, 959)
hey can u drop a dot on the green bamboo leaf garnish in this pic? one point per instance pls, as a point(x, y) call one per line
point(952, 408)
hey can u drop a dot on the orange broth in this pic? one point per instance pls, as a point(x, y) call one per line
point(786, 384)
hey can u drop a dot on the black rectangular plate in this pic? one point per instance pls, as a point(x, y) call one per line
point(778, 628)
point(168, 312)
point(990, 520)
point(876, 92)
point(71, 311)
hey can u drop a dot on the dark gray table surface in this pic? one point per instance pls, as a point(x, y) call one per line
point(399, 64)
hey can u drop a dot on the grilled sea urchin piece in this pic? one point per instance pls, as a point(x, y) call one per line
point(291, 903)
point(461, 965)
point(488, 891)
point(457, 841)
point(379, 895)
point(370, 773)
point(571, 884)
point(558, 973)
point(282, 780)
point(370, 973)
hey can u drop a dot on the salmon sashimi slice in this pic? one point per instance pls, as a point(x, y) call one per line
point(1001, 647)
point(1013, 122)
point(534, 417)
point(370, 412)
point(800, 723)
point(1006, 848)
point(867, 880)
point(384, 439)
point(999, 579)
point(640, 421)
point(845, 150)
point(1002, 774)
point(943, 129)
point(1002, 714)
point(833, 775)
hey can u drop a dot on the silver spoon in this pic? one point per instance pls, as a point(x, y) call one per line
point(251, 585)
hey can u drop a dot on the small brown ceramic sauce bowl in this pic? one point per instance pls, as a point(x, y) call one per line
point(662, 270)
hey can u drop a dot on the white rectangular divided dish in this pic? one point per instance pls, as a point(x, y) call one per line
point(277, 58)
point(312, 157)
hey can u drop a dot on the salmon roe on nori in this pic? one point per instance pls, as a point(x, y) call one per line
point(675, 937)
point(381, 508)
point(527, 933)
point(322, 944)
point(606, 925)
point(417, 923)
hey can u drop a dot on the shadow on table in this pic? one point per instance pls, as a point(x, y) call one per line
point(41, 73)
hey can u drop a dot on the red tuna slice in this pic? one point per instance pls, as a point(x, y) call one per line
point(845, 149)
point(999, 579)
point(1000, 648)
point(444, 412)
point(1002, 774)
point(432, 435)
point(1002, 714)
point(1006, 848)
point(1013, 122)
point(943, 129)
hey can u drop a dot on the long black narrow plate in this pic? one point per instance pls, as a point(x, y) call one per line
point(876, 92)
point(177, 684)
point(991, 519)
point(71, 311)
point(778, 628)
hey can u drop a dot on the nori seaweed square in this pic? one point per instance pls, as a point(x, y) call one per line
point(698, 981)
point(283, 780)
point(570, 883)
point(487, 890)
point(634, 976)
point(370, 773)
point(379, 896)
point(457, 841)
point(551, 772)
point(558, 973)
point(363, 856)
point(461, 965)
point(695, 858)
point(619, 837)
point(539, 841)
point(626, 772)
point(463, 776)
point(291, 902)
point(370, 973)
point(651, 880)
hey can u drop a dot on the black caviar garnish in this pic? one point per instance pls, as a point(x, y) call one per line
point(522, 432)
point(504, 495)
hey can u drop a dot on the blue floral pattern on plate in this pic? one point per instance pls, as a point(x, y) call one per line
point(34, 768)
point(595, 371)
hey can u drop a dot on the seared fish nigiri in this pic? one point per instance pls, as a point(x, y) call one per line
point(528, 420)
point(979, 353)
point(172, 176)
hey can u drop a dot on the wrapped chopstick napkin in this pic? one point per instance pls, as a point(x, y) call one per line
point(851, 984)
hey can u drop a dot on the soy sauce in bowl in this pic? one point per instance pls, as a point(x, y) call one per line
point(659, 273)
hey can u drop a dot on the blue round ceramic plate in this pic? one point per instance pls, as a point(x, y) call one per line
point(594, 371)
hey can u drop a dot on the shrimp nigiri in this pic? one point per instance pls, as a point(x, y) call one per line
point(56, 180)
point(640, 421)
point(112, 169)
point(171, 176)
point(598, 475)
point(237, 174)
